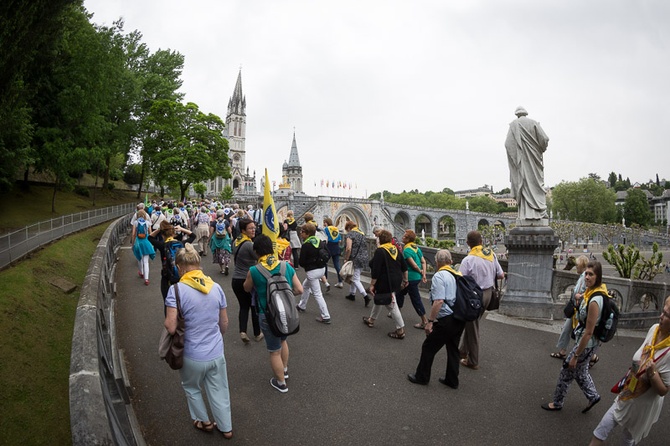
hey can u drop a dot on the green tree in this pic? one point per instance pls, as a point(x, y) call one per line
point(636, 208)
point(159, 76)
point(587, 200)
point(200, 189)
point(484, 204)
point(623, 258)
point(29, 32)
point(188, 145)
point(227, 194)
point(611, 180)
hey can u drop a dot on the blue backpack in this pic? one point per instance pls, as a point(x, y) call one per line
point(169, 265)
point(141, 228)
point(220, 229)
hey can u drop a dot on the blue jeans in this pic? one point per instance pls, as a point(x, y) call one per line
point(272, 342)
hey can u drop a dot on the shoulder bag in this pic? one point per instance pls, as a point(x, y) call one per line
point(171, 346)
point(385, 298)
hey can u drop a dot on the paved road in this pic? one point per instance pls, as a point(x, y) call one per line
point(348, 382)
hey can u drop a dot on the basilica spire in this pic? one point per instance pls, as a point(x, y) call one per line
point(238, 103)
point(293, 159)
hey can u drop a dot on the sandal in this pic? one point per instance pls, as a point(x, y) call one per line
point(594, 360)
point(420, 326)
point(558, 355)
point(205, 426)
point(227, 435)
point(368, 321)
point(398, 334)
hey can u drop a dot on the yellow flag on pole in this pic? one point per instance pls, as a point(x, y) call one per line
point(270, 223)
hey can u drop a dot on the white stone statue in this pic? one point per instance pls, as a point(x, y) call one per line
point(525, 144)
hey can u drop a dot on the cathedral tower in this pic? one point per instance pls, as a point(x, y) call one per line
point(292, 171)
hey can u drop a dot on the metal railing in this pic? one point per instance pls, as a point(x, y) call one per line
point(17, 244)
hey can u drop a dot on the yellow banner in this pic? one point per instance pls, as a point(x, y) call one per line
point(270, 223)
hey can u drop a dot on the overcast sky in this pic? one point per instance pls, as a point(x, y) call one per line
point(400, 95)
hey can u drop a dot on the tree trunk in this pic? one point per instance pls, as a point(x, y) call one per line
point(139, 190)
point(105, 182)
point(95, 185)
point(53, 197)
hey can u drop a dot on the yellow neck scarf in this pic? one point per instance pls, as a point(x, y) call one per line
point(450, 269)
point(654, 347)
point(169, 239)
point(412, 246)
point(197, 280)
point(591, 291)
point(290, 220)
point(312, 222)
point(357, 230)
point(241, 238)
point(333, 232)
point(268, 261)
point(480, 251)
point(392, 250)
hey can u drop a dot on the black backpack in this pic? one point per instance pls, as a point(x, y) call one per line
point(281, 312)
point(609, 319)
point(324, 254)
point(469, 299)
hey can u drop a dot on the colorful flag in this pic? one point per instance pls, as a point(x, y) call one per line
point(146, 201)
point(270, 223)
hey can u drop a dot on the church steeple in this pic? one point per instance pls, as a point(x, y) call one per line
point(293, 159)
point(292, 171)
point(237, 104)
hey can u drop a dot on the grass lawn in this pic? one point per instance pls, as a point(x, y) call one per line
point(37, 320)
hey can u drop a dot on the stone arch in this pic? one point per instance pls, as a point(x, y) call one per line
point(353, 213)
point(483, 222)
point(425, 223)
point(403, 219)
point(446, 227)
point(236, 183)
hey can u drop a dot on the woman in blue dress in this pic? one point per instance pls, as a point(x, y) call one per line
point(142, 248)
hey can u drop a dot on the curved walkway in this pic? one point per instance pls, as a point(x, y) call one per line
point(348, 382)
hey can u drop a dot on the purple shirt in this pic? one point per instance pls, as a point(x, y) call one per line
point(202, 335)
point(483, 271)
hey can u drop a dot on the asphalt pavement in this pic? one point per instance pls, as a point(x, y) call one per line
point(348, 383)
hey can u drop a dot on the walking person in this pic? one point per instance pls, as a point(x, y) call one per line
point(277, 346)
point(333, 237)
point(202, 221)
point(356, 250)
point(203, 306)
point(576, 364)
point(164, 239)
point(571, 322)
point(219, 242)
point(442, 328)
point(416, 274)
point(293, 237)
point(639, 403)
point(311, 260)
point(388, 275)
point(142, 247)
point(482, 264)
point(245, 258)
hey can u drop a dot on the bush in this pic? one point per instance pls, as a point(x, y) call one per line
point(111, 186)
point(82, 190)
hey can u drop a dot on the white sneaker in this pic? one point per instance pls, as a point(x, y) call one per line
point(339, 285)
point(244, 337)
point(259, 337)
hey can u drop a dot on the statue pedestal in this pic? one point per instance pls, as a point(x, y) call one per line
point(530, 251)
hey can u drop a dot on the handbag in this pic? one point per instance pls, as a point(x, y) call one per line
point(171, 346)
point(383, 298)
point(347, 271)
point(494, 303)
point(569, 309)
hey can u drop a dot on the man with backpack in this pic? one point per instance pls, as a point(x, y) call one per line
point(482, 265)
point(277, 345)
point(442, 329)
